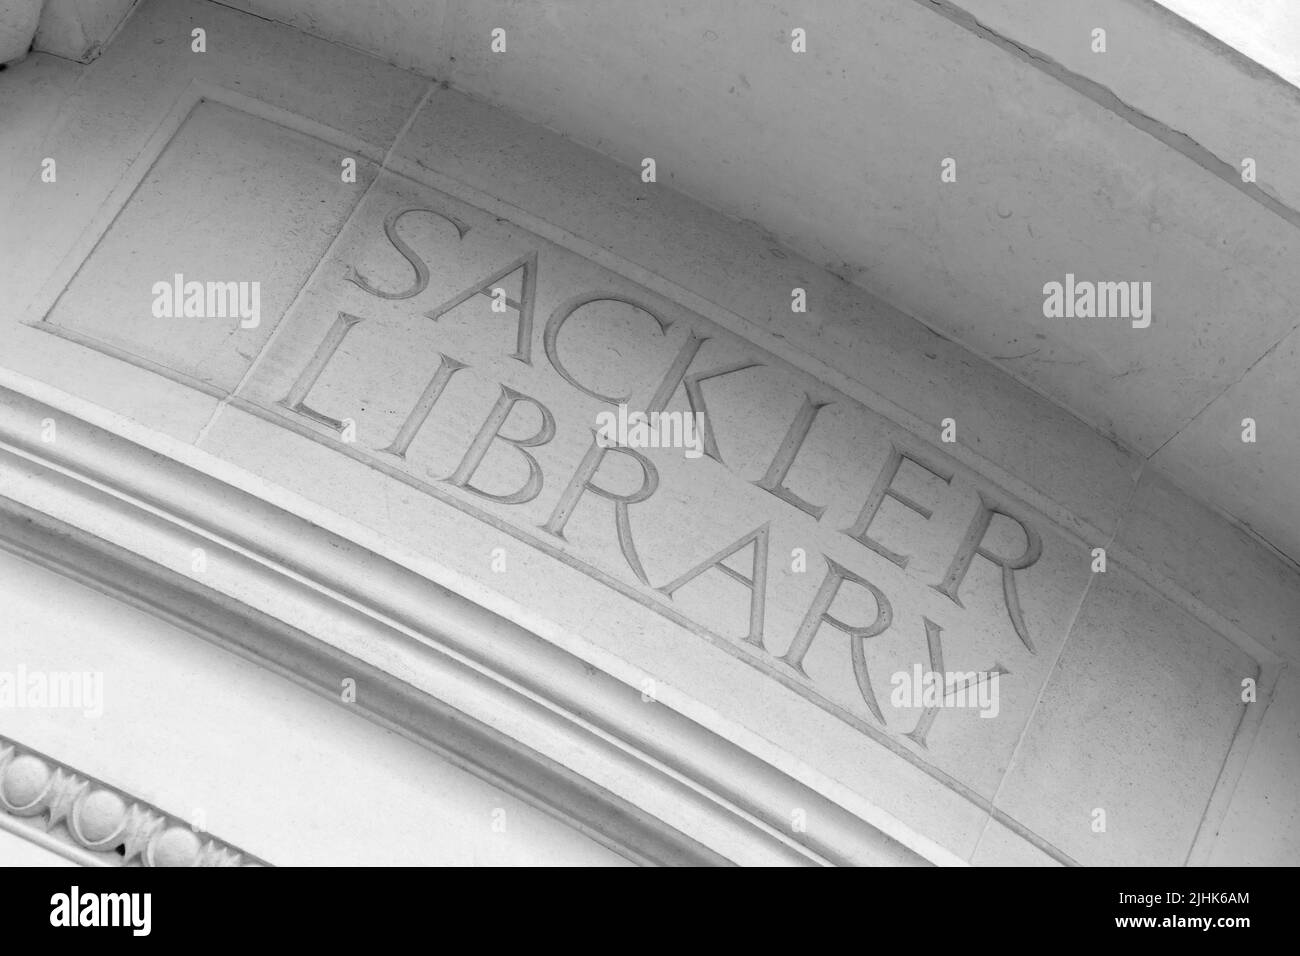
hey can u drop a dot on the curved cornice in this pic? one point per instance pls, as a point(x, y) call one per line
point(484, 692)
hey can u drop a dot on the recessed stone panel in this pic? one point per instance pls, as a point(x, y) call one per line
point(754, 539)
point(1134, 724)
point(212, 247)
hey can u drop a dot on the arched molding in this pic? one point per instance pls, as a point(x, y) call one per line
point(482, 691)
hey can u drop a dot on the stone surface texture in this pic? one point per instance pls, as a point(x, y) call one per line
point(385, 397)
point(1107, 165)
point(18, 20)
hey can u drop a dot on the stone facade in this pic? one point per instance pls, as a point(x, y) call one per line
point(321, 348)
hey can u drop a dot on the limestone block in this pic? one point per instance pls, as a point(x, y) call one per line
point(1135, 722)
point(1256, 480)
point(1253, 105)
point(1262, 825)
point(1217, 564)
point(197, 268)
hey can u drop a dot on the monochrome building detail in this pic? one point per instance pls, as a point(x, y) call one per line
point(550, 478)
point(61, 803)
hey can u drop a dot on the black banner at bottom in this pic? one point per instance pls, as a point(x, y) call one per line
point(1220, 906)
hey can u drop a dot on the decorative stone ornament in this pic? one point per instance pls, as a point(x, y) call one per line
point(37, 793)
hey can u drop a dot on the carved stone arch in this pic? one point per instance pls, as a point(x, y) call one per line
point(658, 788)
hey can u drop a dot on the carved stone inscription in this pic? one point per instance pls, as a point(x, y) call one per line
point(838, 554)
